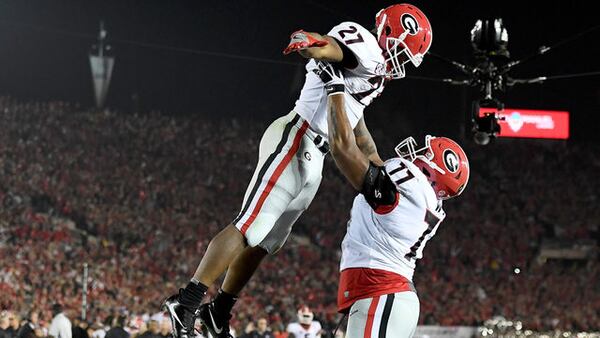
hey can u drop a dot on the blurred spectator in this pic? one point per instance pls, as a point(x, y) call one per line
point(61, 325)
point(15, 324)
point(98, 330)
point(153, 330)
point(30, 327)
point(249, 328)
point(118, 328)
point(5, 329)
point(165, 328)
point(90, 331)
point(262, 330)
point(79, 328)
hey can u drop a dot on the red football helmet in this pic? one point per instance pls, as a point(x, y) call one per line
point(442, 160)
point(404, 34)
point(305, 315)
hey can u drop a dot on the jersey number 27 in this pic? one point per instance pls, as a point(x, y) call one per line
point(351, 35)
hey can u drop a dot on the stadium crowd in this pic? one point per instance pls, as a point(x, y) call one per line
point(138, 197)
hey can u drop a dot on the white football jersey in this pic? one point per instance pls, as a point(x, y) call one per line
point(395, 240)
point(363, 83)
point(314, 331)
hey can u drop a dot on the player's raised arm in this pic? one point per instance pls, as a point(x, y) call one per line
point(365, 142)
point(315, 46)
point(347, 155)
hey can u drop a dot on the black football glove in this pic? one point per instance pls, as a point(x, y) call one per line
point(331, 76)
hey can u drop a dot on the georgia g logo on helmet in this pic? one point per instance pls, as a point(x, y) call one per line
point(409, 23)
point(451, 160)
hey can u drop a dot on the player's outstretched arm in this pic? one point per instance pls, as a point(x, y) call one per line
point(365, 142)
point(315, 46)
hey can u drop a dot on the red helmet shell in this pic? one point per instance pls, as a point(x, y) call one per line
point(403, 28)
point(447, 155)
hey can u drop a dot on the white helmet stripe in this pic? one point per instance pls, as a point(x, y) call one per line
point(381, 24)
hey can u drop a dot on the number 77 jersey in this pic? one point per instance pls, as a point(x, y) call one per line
point(393, 238)
point(364, 81)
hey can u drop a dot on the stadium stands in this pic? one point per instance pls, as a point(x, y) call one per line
point(138, 198)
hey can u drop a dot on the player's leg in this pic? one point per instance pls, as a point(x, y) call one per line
point(275, 184)
point(308, 166)
point(242, 269)
point(231, 241)
point(392, 315)
point(267, 227)
point(404, 315)
point(221, 251)
point(215, 315)
point(247, 262)
point(358, 317)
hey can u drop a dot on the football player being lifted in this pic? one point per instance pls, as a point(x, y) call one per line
point(398, 209)
point(291, 156)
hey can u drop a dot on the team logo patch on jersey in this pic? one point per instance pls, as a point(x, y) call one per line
point(409, 23)
point(307, 156)
point(451, 160)
point(380, 69)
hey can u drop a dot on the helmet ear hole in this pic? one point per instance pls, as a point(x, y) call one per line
point(388, 30)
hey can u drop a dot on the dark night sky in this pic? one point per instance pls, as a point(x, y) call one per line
point(44, 46)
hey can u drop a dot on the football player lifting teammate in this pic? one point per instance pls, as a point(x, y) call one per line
point(398, 209)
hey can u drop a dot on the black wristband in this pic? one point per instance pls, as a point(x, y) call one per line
point(335, 89)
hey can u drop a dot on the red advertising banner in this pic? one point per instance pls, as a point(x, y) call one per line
point(532, 123)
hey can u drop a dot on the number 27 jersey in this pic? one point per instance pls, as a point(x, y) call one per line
point(363, 82)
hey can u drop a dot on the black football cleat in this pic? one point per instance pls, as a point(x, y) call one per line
point(182, 317)
point(217, 324)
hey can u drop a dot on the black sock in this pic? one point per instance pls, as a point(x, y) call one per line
point(193, 293)
point(224, 302)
